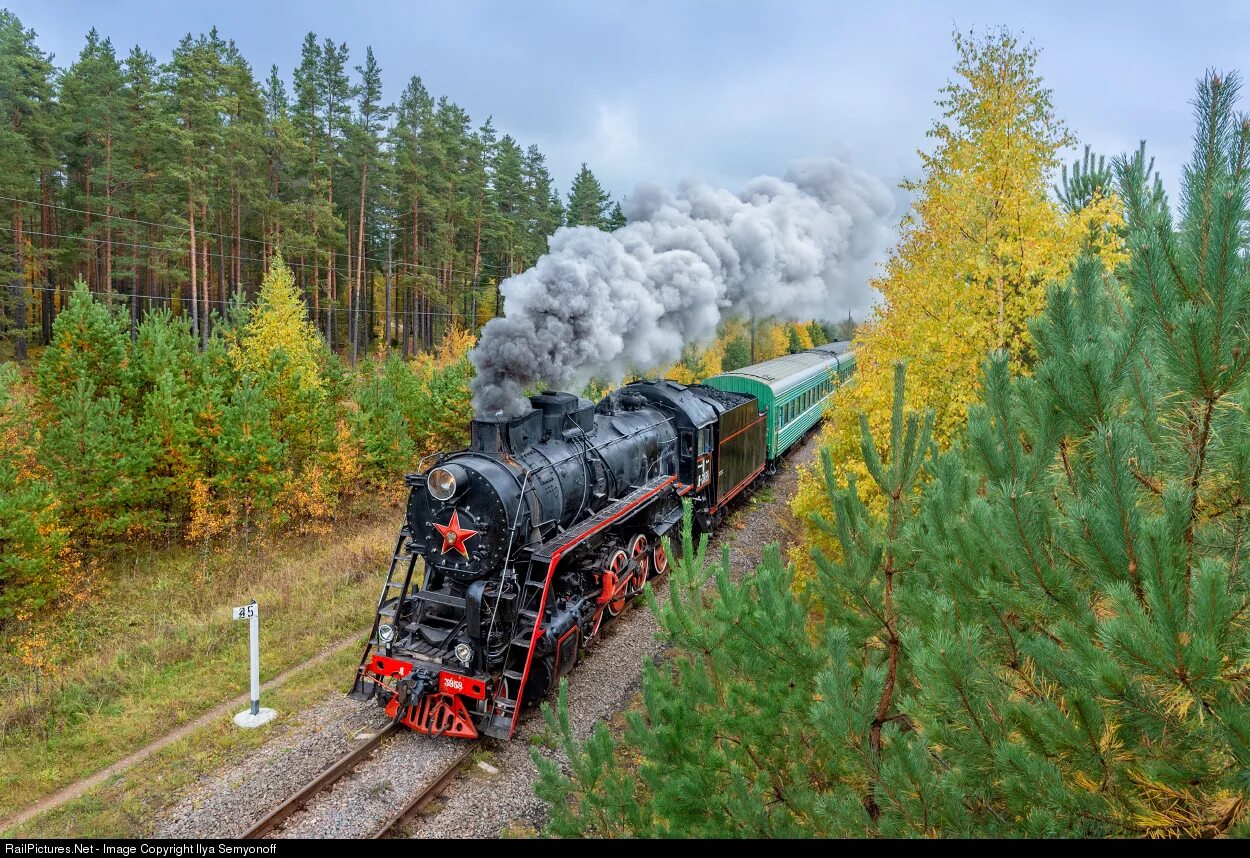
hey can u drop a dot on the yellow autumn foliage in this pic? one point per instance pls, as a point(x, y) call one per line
point(772, 339)
point(977, 250)
point(279, 326)
point(454, 346)
point(800, 333)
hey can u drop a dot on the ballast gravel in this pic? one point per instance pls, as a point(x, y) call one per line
point(362, 802)
point(232, 801)
point(482, 802)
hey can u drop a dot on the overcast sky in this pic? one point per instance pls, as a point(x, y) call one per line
point(720, 90)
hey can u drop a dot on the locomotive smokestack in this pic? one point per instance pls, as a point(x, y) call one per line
point(501, 436)
point(489, 436)
point(602, 304)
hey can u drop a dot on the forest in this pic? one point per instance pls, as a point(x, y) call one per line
point(174, 184)
point(207, 273)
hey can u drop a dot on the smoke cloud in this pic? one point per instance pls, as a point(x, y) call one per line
point(604, 304)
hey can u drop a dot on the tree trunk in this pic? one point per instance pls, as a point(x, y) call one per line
point(108, 214)
point(386, 325)
point(47, 304)
point(407, 315)
point(195, 300)
point(134, 284)
point(238, 237)
point(360, 261)
point(316, 288)
point(90, 262)
point(222, 293)
point(331, 286)
point(351, 297)
point(19, 289)
point(204, 280)
point(331, 298)
point(477, 258)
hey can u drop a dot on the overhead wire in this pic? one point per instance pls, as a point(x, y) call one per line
point(160, 249)
point(182, 228)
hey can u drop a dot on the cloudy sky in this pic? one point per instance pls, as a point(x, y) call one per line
point(720, 90)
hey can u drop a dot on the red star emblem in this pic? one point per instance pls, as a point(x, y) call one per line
point(455, 536)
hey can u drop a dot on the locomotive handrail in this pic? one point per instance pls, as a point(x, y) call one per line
point(569, 538)
point(504, 571)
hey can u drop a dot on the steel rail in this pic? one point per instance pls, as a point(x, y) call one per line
point(317, 785)
point(422, 800)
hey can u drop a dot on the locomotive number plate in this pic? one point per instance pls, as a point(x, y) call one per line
point(454, 683)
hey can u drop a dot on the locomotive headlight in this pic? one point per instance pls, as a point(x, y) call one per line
point(445, 482)
point(463, 653)
point(386, 633)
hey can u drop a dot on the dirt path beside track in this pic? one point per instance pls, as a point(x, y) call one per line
point(225, 710)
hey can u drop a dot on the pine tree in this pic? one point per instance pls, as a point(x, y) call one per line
point(147, 253)
point(371, 116)
point(615, 219)
point(239, 187)
point(249, 457)
point(166, 390)
point(544, 211)
point(381, 425)
point(92, 116)
point(88, 345)
point(167, 431)
point(507, 245)
point(25, 158)
point(798, 336)
point(163, 345)
point(1089, 178)
point(1098, 510)
point(737, 353)
point(716, 751)
point(1045, 638)
point(97, 461)
point(30, 534)
point(191, 79)
point(589, 204)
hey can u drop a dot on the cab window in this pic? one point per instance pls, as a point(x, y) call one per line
point(705, 440)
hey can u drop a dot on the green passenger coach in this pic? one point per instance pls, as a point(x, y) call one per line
point(792, 389)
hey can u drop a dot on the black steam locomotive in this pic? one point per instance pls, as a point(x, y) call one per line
point(539, 533)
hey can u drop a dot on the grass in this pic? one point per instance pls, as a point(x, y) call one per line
point(130, 804)
point(764, 496)
point(157, 648)
point(518, 829)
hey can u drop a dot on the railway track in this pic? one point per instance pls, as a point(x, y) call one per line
point(342, 767)
point(427, 795)
point(349, 761)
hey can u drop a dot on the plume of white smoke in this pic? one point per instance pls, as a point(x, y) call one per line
point(603, 304)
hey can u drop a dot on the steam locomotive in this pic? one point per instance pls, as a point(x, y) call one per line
point(548, 524)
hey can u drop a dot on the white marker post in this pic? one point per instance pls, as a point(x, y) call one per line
point(253, 716)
